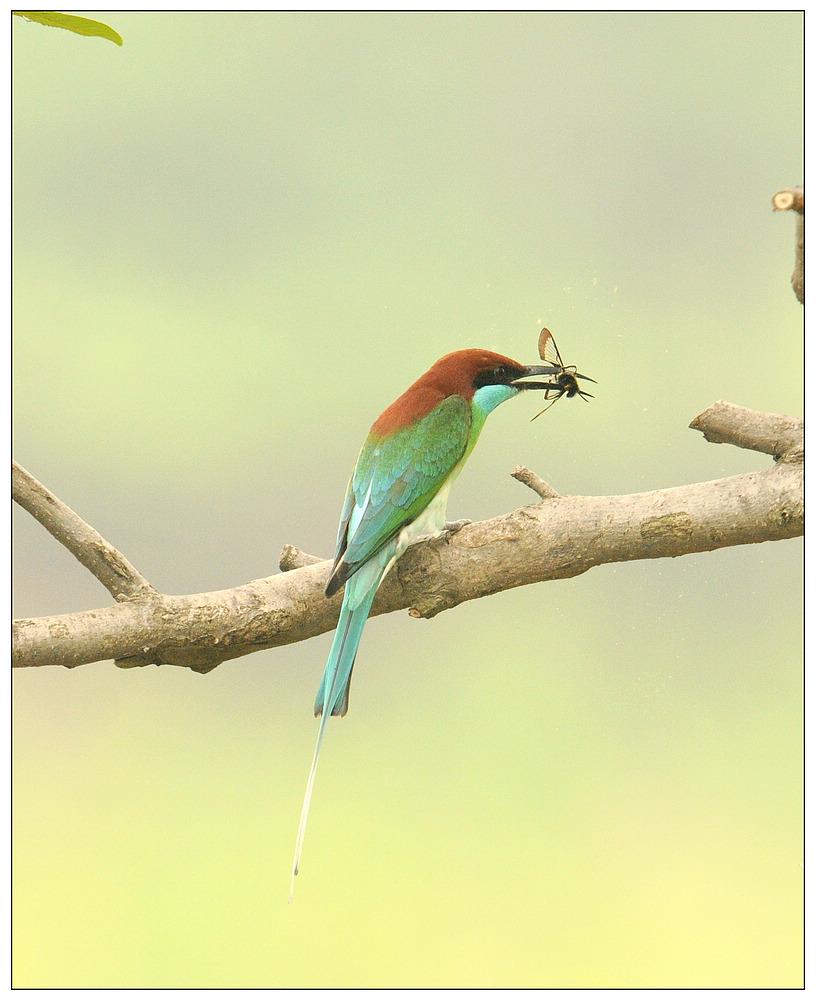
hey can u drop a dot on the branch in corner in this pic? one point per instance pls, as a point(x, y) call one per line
point(793, 200)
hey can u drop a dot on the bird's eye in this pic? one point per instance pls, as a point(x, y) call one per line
point(498, 375)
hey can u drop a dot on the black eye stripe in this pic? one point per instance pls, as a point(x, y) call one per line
point(500, 375)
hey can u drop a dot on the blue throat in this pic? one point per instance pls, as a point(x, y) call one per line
point(489, 397)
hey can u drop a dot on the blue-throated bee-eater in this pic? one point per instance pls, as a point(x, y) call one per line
point(398, 493)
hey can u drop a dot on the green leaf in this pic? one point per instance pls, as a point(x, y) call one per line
point(79, 25)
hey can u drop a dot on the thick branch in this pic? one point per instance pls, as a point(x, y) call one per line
point(108, 565)
point(557, 538)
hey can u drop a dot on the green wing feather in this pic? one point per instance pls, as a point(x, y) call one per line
point(396, 477)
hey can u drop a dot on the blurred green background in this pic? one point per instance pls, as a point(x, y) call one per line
point(236, 240)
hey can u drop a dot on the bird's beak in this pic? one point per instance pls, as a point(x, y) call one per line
point(536, 370)
point(544, 370)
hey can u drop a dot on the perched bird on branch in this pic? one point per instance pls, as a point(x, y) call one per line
point(398, 493)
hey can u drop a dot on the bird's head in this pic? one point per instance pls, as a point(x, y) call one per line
point(483, 378)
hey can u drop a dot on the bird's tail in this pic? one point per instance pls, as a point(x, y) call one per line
point(332, 697)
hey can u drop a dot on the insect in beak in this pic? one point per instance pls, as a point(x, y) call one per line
point(566, 377)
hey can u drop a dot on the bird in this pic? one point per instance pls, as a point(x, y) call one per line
point(398, 493)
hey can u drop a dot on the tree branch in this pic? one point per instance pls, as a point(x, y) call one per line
point(769, 433)
point(109, 566)
point(557, 538)
point(535, 482)
point(793, 200)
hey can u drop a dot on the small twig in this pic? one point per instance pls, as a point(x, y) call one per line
point(793, 200)
point(292, 557)
point(107, 564)
point(535, 482)
point(790, 200)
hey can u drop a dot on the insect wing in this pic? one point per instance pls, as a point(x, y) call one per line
point(547, 349)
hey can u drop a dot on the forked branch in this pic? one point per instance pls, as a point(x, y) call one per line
point(114, 572)
point(556, 538)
